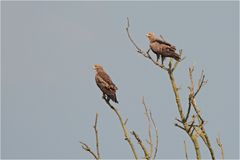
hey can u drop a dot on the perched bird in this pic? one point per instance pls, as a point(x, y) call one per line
point(105, 83)
point(160, 47)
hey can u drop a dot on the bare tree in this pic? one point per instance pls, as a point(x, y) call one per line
point(148, 153)
point(87, 148)
point(193, 128)
point(192, 123)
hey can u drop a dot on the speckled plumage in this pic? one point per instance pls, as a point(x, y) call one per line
point(162, 48)
point(104, 82)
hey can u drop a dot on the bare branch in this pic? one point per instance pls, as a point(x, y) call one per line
point(156, 134)
point(200, 130)
point(189, 107)
point(177, 125)
point(139, 50)
point(220, 145)
point(150, 119)
point(88, 149)
point(125, 130)
point(125, 123)
point(193, 121)
point(96, 134)
point(192, 102)
point(201, 82)
point(177, 62)
point(149, 127)
point(185, 149)
point(141, 144)
point(179, 120)
point(191, 95)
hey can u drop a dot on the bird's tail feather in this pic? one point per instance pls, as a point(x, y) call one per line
point(176, 57)
point(114, 98)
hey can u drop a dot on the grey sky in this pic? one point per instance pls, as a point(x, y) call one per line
point(49, 95)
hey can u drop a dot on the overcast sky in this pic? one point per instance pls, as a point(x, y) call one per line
point(49, 95)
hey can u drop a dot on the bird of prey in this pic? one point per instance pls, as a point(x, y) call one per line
point(105, 83)
point(160, 47)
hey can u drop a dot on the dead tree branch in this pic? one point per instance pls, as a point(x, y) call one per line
point(220, 145)
point(193, 93)
point(87, 148)
point(123, 124)
point(170, 70)
point(96, 134)
point(148, 113)
point(149, 128)
point(185, 149)
point(141, 144)
point(192, 96)
point(156, 134)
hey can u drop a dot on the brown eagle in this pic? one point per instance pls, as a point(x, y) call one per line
point(105, 83)
point(160, 47)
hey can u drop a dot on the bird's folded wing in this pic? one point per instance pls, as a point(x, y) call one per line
point(100, 81)
point(105, 77)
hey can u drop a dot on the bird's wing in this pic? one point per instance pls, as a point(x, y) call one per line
point(172, 47)
point(161, 48)
point(105, 79)
point(164, 48)
point(161, 41)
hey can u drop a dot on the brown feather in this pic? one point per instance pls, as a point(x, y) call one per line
point(162, 48)
point(104, 82)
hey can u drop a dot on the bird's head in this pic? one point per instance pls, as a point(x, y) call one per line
point(151, 36)
point(97, 67)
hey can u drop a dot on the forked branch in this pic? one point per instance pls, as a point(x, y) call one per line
point(141, 144)
point(96, 134)
point(150, 119)
point(87, 148)
point(221, 146)
point(192, 100)
point(123, 124)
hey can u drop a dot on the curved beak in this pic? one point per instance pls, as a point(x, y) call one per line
point(94, 68)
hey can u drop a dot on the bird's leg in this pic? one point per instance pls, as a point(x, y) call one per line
point(158, 56)
point(162, 60)
point(108, 99)
point(104, 96)
point(148, 51)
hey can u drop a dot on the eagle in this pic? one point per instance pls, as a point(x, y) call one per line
point(160, 47)
point(104, 82)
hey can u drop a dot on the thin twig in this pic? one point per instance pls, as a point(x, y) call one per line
point(88, 149)
point(185, 149)
point(125, 130)
point(201, 129)
point(156, 134)
point(96, 134)
point(193, 121)
point(125, 123)
point(177, 125)
point(201, 82)
point(177, 62)
point(220, 145)
point(191, 95)
point(149, 127)
point(141, 144)
point(189, 107)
